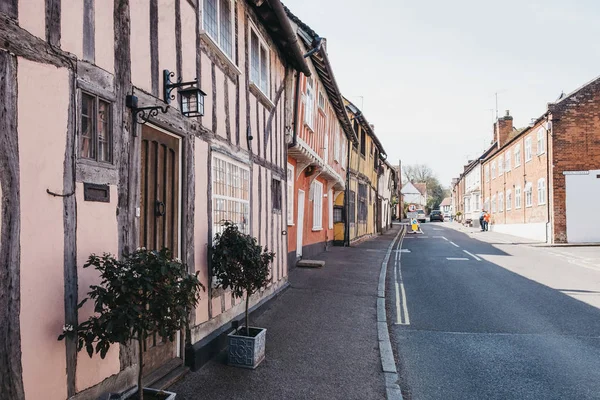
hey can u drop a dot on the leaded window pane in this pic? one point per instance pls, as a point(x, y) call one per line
point(87, 142)
point(254, 57)
point(104, 132)
point(225, 39)
point(264, 72)
point(210, 18)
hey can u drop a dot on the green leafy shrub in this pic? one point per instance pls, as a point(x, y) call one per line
point(239, 263)
point(146, 293)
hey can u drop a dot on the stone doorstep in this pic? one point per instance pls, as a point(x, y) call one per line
point(310, 264)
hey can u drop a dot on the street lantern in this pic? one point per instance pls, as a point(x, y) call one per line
point(192, 101)
point(191, 98)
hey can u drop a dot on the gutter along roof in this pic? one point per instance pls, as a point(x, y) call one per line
point(273, 16)
point(358, 114)
point(323, 67)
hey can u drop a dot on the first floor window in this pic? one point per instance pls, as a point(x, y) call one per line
point(309, 104)
point(317, 205)
point(362, 202)
point(494, 204)
point(259, 62)
point(95, 134)
point(290, 194)
point(541, 186)
point(540, 141)
point(507, 160)
point(517, 155)
point(528, 149)
point(518, 197)
point(352, 207)
point(231, 194)
point(508, 200)
point(217, 23)
point(276, 194)
point(528, 195)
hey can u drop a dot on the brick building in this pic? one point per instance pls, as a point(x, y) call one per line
point(541, 181)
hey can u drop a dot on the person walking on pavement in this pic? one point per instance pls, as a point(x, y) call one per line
point(486, 220)
point(481, 220)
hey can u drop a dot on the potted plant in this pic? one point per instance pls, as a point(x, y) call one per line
point(146, 293)
point(239, 263)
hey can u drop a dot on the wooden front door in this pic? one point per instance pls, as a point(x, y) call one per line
point(159, 216)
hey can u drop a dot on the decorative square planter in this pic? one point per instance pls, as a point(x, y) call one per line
point(246, 351)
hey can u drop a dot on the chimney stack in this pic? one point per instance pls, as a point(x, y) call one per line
point(503, 128)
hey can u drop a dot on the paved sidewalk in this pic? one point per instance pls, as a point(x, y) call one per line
point(322, 338)
point(488, 236)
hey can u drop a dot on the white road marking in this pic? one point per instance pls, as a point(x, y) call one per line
point(457, 259)
point(437, 229)
point(401, 303)
point(453, 244)
point(445, 238)
point(472, 255)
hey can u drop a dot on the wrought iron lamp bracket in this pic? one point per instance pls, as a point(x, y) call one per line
point(168, 86)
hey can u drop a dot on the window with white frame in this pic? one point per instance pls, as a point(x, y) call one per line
point(508, 200)
point(493, 203)
point(330, 198)
point(528, 149)
point(477, 200)
point(486, 204)
point(541, 187)
point(259, 62)
point(321, 101)
point(500, 202)
point(500, 165)
point(218, 17)
point(493, 169)
point(317, 205)
point(290, 194)
point(528, 194)
point(507, 159)
point(467, 204)
point(518, 197)
point(309, 103)
point(541, 148)
point(336, 143)
point(517, 155)
point(486, 173)
point(231, 194)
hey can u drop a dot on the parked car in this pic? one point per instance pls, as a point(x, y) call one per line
point(421, 216)
point(436, 215)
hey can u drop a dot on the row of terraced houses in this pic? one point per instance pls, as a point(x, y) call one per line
point(542, 181)
point(131, 123)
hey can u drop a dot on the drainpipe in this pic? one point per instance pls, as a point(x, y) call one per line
point(548, 223)
point(347, 198)
point(296, 106)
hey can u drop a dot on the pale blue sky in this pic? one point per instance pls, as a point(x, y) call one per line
point(428, 70)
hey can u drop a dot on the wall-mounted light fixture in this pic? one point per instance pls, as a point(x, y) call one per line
point(191, 99)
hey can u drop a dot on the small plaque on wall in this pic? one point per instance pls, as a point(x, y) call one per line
point(95, 192)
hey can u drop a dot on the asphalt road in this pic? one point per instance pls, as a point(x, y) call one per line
point(503, 321)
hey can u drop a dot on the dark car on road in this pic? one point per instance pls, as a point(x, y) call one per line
point(436, 215)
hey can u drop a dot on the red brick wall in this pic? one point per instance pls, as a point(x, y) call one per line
point(576, 145)
point(518, 176)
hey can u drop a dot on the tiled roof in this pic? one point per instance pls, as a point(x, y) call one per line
point(446, 202)
point(421, 187)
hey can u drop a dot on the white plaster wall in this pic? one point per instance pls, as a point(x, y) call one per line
point(167, 58)
point(583, 226)
point(534, 231)
point(71, 36)
point(42, 126)
point(105, 35)
point(97, 232)
point(34, 18)
point(140, 44)
point(188, 41)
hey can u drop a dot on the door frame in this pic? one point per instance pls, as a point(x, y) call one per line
point(179, 342)
point(300, 222)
